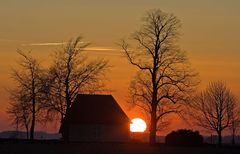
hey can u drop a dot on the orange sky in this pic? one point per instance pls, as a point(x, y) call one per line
point(210, 35)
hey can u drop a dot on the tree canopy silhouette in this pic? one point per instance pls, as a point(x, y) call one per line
point(213, 108)
point(20, 110)
point(27, 100)
point(165, 77)
point(72, 73)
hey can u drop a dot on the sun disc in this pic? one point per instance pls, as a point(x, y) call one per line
point(137, 125)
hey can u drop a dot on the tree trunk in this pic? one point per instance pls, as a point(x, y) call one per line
point(152, 137)
point(32, 127)
point(153, 127)
point(33, 120)
point(219, 138)
point(66, 125)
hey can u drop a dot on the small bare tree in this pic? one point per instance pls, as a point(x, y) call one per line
point(164, 76)
point(213, 108)
point(72, 73)
point(27, 93)
point(19, 111)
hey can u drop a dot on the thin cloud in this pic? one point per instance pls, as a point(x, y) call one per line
point(95, 50)
point(45, 44)
point(63, 43)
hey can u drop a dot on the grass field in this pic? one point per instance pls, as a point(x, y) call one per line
point(52, 147)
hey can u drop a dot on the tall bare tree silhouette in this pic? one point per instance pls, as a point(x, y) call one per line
point(72, 73)
point(26, 96)
point(164, 76)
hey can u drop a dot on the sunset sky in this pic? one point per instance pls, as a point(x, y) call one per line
point(210, 36)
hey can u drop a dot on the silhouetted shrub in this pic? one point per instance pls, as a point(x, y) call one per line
point(184, 137)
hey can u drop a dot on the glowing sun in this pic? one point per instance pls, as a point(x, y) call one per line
point(138, 125)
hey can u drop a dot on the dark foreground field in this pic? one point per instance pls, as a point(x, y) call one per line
point(52, 147)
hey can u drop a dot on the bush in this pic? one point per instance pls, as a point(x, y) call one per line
point(184, 137)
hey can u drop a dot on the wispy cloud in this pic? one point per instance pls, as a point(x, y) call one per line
point(94, 50)
point(45, 44)
point(63, 43)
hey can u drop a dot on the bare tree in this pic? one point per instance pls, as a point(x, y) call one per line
point(72, 73)
point(213, 108)
point(28, 89)
point(19, 111)
point(164, 77)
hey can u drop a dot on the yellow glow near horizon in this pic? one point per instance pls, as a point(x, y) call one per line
point(138, 125)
